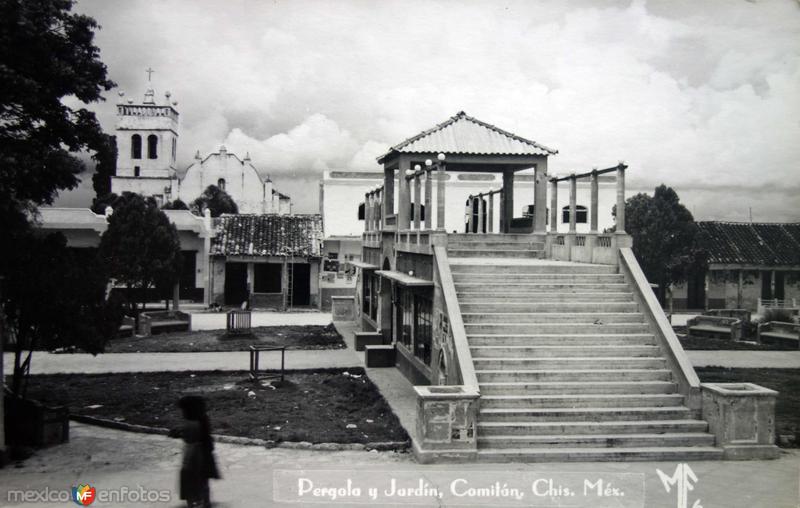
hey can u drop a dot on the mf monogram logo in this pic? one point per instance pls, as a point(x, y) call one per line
point(684, 480)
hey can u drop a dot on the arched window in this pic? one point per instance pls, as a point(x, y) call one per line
point(136, 146)
point(152, 146)
point(361, 208)
point(581, 214)
point(221, 184)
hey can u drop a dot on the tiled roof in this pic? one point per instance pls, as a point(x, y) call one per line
point(764, 244)
point(268, 235)
point(463, 134)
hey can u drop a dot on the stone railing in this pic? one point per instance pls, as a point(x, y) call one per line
point(371, 239)
point(677, 360)
point(447, 414)
point(599, 248)
point(414, 240)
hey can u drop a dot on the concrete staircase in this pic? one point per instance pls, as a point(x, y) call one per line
point(567, 367)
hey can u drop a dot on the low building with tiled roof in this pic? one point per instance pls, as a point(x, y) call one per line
point(748, 263)
point(270, 260)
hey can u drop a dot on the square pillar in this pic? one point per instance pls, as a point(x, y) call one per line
point(404, 196)
point(388, 193)
point(621, 199)
point(417, 202)
point(490, 214)
point(428, 191)
point(440, 171)
point(507, 212)
point(540, 198)
point(573, 198)
point(594, 201)
point(554, 205)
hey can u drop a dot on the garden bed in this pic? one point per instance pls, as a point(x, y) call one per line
point(716, 344)
point(292, 337)
point(321, 406)
point(785, 381)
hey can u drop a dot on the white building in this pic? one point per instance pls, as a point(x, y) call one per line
point(147, 144)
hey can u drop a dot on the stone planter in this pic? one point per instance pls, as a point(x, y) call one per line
point(343, 308)
point(446, 423)
point(742, 418)
point(30, 423)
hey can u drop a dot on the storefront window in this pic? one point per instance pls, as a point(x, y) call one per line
point(422, 328)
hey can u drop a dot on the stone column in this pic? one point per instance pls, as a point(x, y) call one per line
point(417, 200)
point(507, 212)
point(388, 193)
point(594, 205)
point(573, 198)
point(404, 196)
point(621, 199)
point(481, 210)
point(367, 217)
point(440, 172)
point(428, 191)
point(540, 198)
point(470, 208)
point(554, 205)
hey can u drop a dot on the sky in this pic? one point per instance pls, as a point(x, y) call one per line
point(702, 96)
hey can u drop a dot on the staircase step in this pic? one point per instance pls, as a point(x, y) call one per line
point(531, 351)
point(584, 414)
point(496, 245)
point(553, 375)
point(571, 387)
point(521, 284)
point(593, 427)
point(558, 339)
point(496, 237)
point(567, 362)
point(512, 328)
point(553, 317)
point(576, 401)
point(677, 453)
point(678, 439)
point(493, 253)
point(494, 294)
point(538, 269)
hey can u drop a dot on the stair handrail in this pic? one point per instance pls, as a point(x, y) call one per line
point(688, 381)
point(460, 343)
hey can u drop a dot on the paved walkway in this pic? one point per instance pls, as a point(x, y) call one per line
point(108, 459)
point(216, 320)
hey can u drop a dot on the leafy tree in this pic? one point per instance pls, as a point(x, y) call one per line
point(105, 159)
point(141, 249)
point(666, 241)
point(175, 205)
point(216, 200)
point(100, 203)
point(47, 54)
point(56, 298)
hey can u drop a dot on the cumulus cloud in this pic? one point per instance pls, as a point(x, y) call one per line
point(693, 94)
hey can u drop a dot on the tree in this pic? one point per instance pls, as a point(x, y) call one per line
point(175, 205)
point(141, 249)
point(56, 298)
point(47, 54)
point(216, 200)
point(665, 237)
point(105, 159)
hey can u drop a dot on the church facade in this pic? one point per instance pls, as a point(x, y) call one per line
point(147, 147)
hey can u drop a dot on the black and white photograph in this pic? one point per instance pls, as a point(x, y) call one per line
point(430, 253)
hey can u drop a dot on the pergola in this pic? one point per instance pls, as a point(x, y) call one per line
point(461, 144)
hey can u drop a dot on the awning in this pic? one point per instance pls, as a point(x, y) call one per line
point(362, 265)
point(404, 279)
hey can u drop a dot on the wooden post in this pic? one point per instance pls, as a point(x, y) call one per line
point(540, 197)
point(440, 171)
point(621, 198)
point(490, 213)
point(594, 199)
point(554, 205)
point(508, 201)
point(573, 198)
point(388, 193)
point(428, 190)
point(404, 208)
point(417, 201)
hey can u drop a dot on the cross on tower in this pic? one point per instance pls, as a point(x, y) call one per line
point(149, 72)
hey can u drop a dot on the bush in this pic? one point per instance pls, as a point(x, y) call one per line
point(774, 314)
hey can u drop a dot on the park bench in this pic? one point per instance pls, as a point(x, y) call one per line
point(742, 314)
point(151, 323)
point(127, 326)
point(777, 332)
point(705, 326)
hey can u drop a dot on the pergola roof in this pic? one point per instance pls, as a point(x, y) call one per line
point(463, 134)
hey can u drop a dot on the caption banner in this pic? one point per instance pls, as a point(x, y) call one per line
point(478, 488)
